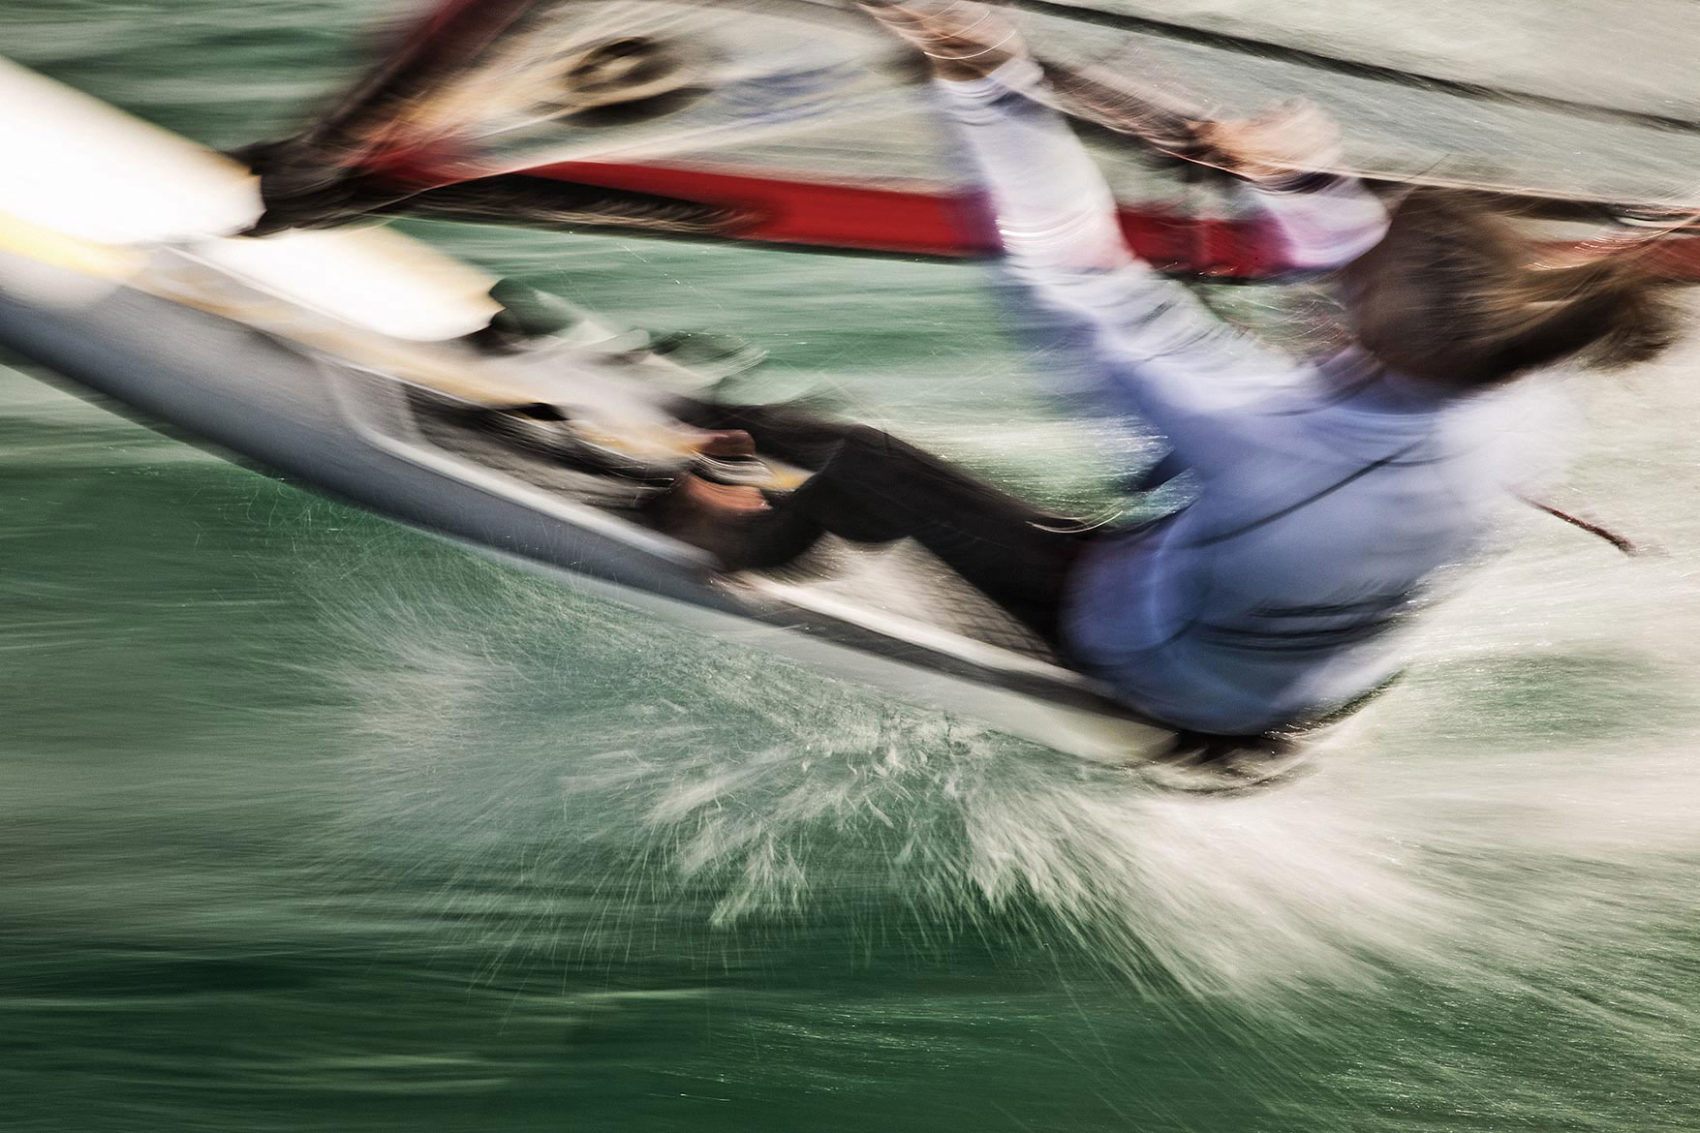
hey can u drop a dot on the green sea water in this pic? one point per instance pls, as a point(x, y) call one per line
point(313, 822)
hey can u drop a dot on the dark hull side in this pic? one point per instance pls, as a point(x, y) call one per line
point(273, 406)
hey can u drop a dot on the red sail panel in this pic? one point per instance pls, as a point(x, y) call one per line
point(914, 221)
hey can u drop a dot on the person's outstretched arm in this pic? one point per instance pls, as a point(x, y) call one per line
point(1138, 343)
point(1320, 220)
point(1284, 162)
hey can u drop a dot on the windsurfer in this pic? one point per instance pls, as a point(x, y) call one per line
point(1328, 495)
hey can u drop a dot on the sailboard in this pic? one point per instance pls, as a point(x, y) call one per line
point(369, 366)
point(798, 124)
point(231, 303)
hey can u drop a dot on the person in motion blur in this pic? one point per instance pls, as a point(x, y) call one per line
point(1328, 494)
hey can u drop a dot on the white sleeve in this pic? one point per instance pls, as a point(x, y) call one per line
point(1052, 207)
point(1321, 221)
point(1138, 343)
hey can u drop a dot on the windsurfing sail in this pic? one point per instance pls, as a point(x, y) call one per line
point(798, 123)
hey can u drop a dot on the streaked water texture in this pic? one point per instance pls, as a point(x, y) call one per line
point(312, 822)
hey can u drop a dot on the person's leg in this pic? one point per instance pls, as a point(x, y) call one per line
point(870, 487)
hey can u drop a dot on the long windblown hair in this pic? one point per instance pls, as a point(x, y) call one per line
point(1456, 294)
